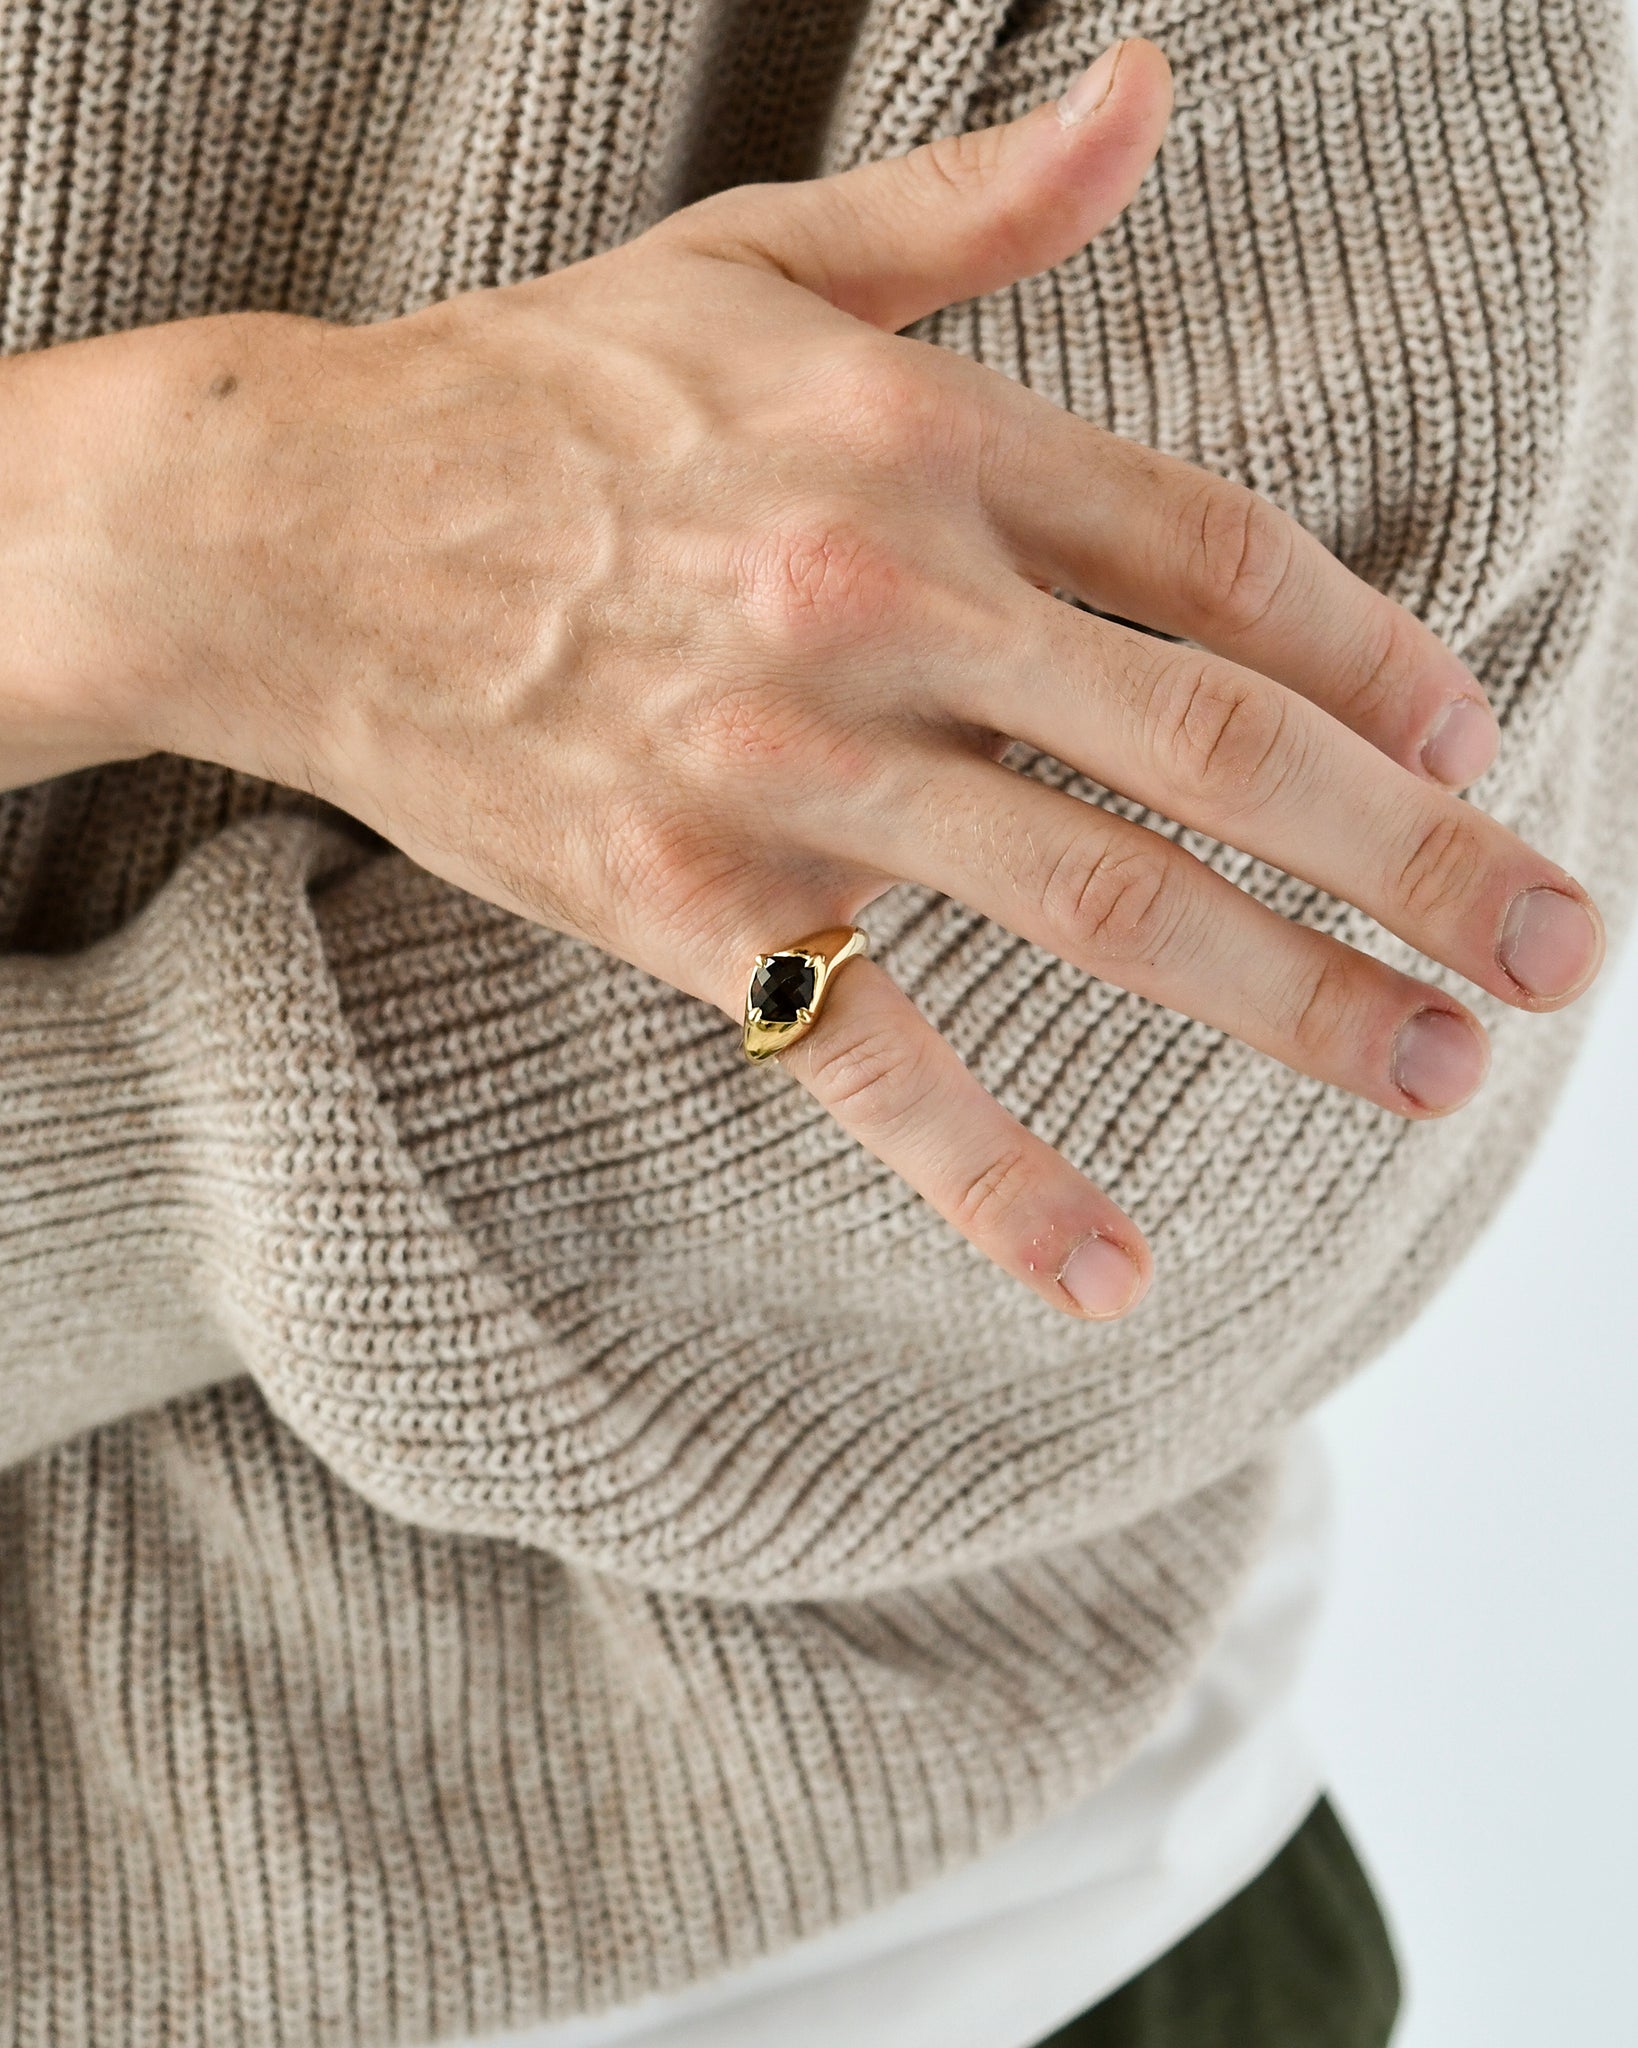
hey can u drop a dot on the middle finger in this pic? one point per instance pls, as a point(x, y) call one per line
point(1123, 902)
point(1223, 749)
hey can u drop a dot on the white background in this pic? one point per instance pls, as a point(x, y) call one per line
point(1475, 1689)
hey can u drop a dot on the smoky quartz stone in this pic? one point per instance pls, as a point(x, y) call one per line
point(782, 986)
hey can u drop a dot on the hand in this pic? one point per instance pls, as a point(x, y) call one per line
point(677, 601)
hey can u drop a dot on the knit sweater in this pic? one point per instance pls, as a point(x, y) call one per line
point(504, 1506)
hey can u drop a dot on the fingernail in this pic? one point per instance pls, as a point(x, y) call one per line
point(1091, 89)
point(1099, 1277)
point(1462, 745)
point(1549, 944)
point(1439, 1059)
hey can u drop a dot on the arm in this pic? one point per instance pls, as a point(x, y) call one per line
point(549, 1315)
point(675, 598)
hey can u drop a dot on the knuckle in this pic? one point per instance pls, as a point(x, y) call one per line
point(892, 405)
point(1222, 731)
point(821, 581)
point(871, 1079)
point(654, 859)
point(1117, 904)
point(1441, 873)
point(985, 1200)
point(1003, 226)
point(1238, 553)
point(1322, 1010)
point(962, 163)
point(765, 749)
point(744, 727)
point(1387, 665)
point(872, 382)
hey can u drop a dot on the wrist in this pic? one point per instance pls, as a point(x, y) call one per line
point(116, 452)
point(49, 717)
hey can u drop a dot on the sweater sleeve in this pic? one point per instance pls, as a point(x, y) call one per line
point(126, 1071)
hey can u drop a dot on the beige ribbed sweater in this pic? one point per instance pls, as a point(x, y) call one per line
point(600, 1525)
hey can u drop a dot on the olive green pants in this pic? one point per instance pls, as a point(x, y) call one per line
point(1300, 1959)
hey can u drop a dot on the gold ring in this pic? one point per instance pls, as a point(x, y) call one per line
point(787, 989)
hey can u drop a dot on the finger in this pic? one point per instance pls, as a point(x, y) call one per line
point(1224, 749)
point(960, 216)
point(1123, 903)
point(894, 1083)
point(1159, 541)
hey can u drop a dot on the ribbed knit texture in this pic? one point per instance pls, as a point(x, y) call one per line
point(646, 1533)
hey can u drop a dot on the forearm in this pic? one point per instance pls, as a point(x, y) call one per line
point(123, 486)
point(110, 1120)
point(67, 431)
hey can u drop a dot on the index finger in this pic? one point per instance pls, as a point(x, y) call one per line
point(1160, 543)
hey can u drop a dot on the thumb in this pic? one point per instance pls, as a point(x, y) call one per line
point(963, 215)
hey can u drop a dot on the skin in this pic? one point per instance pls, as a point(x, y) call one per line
point(679, 602)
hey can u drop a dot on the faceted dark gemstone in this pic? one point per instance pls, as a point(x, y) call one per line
point(782, 986)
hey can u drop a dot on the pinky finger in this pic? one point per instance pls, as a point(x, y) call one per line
point(892, 1081)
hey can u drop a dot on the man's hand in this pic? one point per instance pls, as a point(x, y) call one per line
point(679, 602)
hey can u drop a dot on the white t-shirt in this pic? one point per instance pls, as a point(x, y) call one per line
point(1004, 1951)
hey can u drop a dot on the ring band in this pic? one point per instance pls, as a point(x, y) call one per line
point(786, 990)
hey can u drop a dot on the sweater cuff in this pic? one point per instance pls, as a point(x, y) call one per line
point(125, 1110)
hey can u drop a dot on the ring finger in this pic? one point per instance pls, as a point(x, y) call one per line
point(1124, 903)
